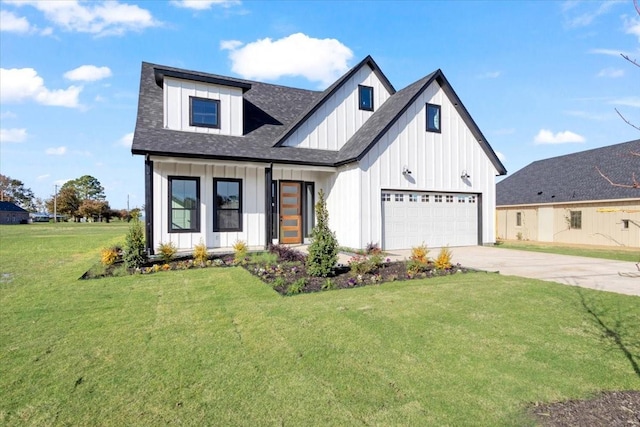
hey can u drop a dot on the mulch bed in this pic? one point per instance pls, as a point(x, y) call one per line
point(608, 409)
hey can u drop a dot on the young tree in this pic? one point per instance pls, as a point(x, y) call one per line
point(13, 190)
point(323, 251)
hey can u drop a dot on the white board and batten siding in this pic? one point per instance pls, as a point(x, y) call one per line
point(253, 204)
point(436, 161)
point(177, 106)
point(331, 126)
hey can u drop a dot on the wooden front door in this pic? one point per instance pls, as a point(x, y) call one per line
point(290, 212)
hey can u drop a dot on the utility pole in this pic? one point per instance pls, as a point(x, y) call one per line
point(55, 204)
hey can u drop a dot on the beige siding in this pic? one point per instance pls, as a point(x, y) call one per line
point(602, 223)
point(508, 229)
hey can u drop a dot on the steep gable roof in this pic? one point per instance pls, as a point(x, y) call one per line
point(11, 207)
point(574, 177)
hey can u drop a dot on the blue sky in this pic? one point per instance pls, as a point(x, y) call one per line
point(540, 78)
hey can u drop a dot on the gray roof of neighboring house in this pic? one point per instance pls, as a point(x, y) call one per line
point(271, 114)
point(575, 177)
point(11, 207)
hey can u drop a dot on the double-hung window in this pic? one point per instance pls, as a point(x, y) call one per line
point(204, 112)
point(433, 118)
point(184, 204)
point(575, 220)
point(227, 204)
point(365, 98)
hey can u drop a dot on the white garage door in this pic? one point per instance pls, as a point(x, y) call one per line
point(437, 219)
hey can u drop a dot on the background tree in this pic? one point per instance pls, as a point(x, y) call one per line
point(95, 209)
point(13, 190)
point(87, 188)
point(68, 203)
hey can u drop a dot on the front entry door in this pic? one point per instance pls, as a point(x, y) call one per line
point(290, 212)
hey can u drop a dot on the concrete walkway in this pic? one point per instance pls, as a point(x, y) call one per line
point(601, 274)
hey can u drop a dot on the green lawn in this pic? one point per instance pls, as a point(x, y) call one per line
point(219, 347)
point(614, 253)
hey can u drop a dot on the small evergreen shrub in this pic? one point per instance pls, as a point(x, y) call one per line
point(167, 251)
point(134, 253)
point(323, 251)
point(443, 261)
point(419, 254)
point(240, 250)
point(200, 254)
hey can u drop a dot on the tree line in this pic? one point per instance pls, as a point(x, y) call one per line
point(77, 199)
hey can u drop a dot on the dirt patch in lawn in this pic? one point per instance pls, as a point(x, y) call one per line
point(608, 409)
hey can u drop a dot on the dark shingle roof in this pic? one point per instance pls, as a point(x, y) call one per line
point(11, 207)
point(574, 177)
point(271, 114)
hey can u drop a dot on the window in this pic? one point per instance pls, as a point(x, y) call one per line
point(449, 199)
point(433, 118)
point(204, 112)
point(413, 197)
point(462, 199)
point(365, 98)
point(399, 197)
point(437, 198)
point(386, 197)
point(518, 219)
point(625, 224)
point(472, 199)
point(309, 209)
point(576, 220)
point(425, 198)
point(227, 204)
point(184, 204)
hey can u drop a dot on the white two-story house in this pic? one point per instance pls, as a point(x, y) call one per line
point(229, 159)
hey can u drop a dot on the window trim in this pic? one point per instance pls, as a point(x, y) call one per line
point(518, 219)
point(204, 125)
point(428, 127)
point(215, 205)
point(575, 220)
point(361, 88)
point(196, 228)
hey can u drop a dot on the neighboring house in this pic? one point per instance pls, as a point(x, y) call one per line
point(229, 159)
point(565, 199)
point(12, 214)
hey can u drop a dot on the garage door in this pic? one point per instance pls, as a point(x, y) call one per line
point(437, 219)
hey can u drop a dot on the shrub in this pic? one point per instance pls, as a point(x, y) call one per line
point(134, 252)
point(360, 264)
point(372, 248)
point(419, 254)
point(443, 261)
point(323, 251)
point(267, 258)
point(296, 287)
point(109, 256)
point(240, 249)
point(167, 251)
point(285, 253)
point(200, 254)
point(328, 285)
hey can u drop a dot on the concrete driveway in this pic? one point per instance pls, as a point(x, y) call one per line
point(601, 274)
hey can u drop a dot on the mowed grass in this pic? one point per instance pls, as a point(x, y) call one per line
point(614, 253)
point(219, 347)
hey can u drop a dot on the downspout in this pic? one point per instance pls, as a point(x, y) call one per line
point(268, 177)
point(148, 203)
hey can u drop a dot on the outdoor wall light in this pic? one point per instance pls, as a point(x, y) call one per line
point(406, 171)
point(465, 175)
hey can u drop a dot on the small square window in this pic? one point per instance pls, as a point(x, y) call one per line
point(204, 112)
point(399, 197)
point(625, 224)
point(386, 197)
point(576, 220)
point(365, 98)
point(433, 118)
point(413, 197)
point(437, 198)
point(449, 199)
point(472, 199)
point(462, 199)
point(425, 198)
point(518, 219)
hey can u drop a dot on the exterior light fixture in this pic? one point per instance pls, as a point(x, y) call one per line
point(465, 175)
point(406, 171)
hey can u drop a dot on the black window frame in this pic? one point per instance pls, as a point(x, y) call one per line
point(215, 102)
point(575, 220)
point(196, 228)
point(361, 89)
point(216, 208)
point(430, 128)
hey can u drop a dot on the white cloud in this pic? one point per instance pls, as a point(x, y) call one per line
point(56, 151)
point(321, 60)
point(629, 101)
point(490, 75)
point(13, 135)
point(12, 23)
point(126, 140)
point(8, 115)
point(88, 73)
point(547, 137)
point(230, 44)
point(611, 73)
point(100, 18)
point(586, 18)
point(501, 156)
point(204, 4)
point(610, 52)
point(43, 177)
point(632, 26)
point(19, 84)
point(586, 115)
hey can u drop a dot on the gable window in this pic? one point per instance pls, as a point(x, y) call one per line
point(365, 98)
point(227, 204)
point(433, 118)
point(576, 220)
point(184, 204)
point(518, 219)
point(204, 112)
